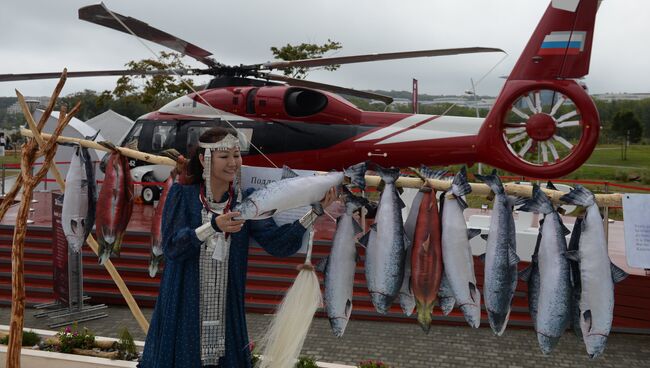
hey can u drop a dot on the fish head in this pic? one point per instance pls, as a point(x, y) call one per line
point(248, 209)
point(595, 344)
point(338, 325)
point(472, 313)
point(547, 343)
point(381, 301)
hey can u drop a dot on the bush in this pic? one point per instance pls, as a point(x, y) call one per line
point(126, 345)
point(306, 362)
point(73, 339)
point(30, 338)
point(372, 364)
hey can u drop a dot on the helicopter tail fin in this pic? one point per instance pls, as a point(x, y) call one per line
point(544, 123)
point(560, 47)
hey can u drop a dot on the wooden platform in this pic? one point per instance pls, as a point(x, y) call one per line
point(268, 277)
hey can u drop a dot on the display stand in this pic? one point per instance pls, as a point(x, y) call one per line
point(67, 274)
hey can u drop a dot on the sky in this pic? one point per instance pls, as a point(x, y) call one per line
point(46, 36)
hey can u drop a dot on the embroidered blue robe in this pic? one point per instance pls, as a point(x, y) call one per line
point(173, 340)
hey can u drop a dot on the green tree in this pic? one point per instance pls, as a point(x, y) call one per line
point(154, 91)
point(626, 121)
point(304, 51)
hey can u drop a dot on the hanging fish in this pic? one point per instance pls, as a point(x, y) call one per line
point(386, 245)
point(457, 252)
point(406, 298)
point(426, 257)
point(530, 275)
point(156, 255)
point(597, 274)
point(292, 192)
point(114, 206)
point(80, 199)
point(340, 266)
point(575, 278)
point(554, 303)
point(500, 257)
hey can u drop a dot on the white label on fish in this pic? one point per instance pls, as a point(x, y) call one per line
point(636, 211)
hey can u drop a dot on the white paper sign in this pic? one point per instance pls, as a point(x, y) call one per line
point(258, 177)
point(636, 212)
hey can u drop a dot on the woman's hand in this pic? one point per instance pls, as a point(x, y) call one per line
point(330, 197)
point(227, 224)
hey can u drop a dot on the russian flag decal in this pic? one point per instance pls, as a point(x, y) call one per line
point(559, 43)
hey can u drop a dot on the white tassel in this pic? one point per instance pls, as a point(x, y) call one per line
point(286, 334)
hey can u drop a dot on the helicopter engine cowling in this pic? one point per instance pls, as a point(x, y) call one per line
point(544, 129)
point(293, 102)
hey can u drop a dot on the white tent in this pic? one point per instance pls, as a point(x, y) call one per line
point(76, 129)
point(111, 125)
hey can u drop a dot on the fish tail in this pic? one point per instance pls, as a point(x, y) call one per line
point(493, 182)
point(432, 174)
point(460, 186)
point(580, 196)
point(538, 203)
point(154, 261)
point(357, 173)
point(389, 176)
point(352, 201)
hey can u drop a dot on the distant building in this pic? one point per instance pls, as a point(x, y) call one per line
point(32, 102)
point(609, 97)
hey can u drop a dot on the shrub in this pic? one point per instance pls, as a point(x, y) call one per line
point(126, 345)
point(30, 338)
point(306, 362)
point(372, 364)
point(73, 339)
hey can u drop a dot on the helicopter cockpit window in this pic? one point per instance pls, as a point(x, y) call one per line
point(131, 140)
point(163, 138)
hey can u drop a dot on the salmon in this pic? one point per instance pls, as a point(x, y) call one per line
point(114, 206)
point(156, 237)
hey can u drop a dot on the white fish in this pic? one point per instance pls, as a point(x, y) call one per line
point(500, 258)
point(386, 251)
point(597, 274)
point(457, 252)
point(286, 194)
point(80, 197)
point(340, 267)
point(553, 309)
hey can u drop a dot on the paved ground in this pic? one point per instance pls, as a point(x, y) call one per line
point(405, 345)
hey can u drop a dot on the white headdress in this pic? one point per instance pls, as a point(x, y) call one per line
point(225, 144)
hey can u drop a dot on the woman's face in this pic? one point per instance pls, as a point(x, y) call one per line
point(225, 165)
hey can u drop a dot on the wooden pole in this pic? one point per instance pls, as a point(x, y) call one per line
point(30, 152)
point(121, 285)
point(520, 190)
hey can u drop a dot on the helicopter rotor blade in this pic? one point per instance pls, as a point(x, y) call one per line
point(97, 73)
point(327, 87)
point(99, 15)
point(309, 63)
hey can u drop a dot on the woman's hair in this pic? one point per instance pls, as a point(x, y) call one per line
point(195, 169)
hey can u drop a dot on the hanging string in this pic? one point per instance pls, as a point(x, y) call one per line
point(181, 79)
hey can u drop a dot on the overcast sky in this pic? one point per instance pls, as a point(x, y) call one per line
point(46, 36)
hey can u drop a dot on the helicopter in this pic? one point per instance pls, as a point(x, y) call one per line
point(543, 123)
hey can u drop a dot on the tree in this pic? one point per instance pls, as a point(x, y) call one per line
point(154, 91)
point(304, 51)
point(626, 121)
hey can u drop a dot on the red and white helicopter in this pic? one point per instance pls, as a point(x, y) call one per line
point(543, 123)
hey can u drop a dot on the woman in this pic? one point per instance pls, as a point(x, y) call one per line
point(199, 318)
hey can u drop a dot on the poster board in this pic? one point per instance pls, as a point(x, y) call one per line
point(60, 280)
point(636, 211)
